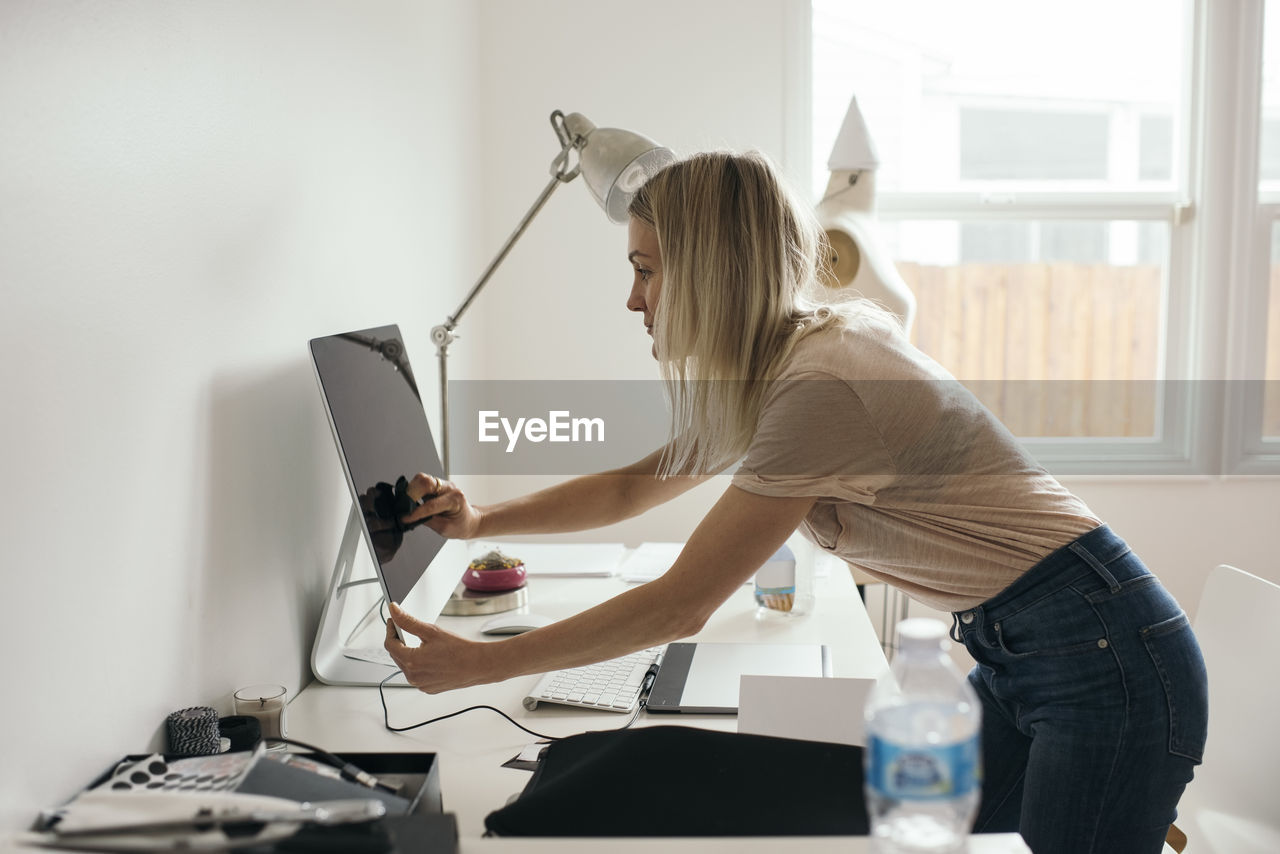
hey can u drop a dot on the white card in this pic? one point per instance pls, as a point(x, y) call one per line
point(532, 752)
point(812, 708)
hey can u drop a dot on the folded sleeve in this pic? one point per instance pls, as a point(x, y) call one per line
point(815, 438)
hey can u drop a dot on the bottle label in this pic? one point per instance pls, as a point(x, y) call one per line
point(774, 591)
point(923, 772)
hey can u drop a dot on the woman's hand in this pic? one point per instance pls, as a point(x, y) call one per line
point(443, 662)
point(444, 508)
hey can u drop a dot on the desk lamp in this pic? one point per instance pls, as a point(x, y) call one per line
point(847, 214)
point(613, 162)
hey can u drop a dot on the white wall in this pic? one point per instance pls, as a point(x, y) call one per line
point(694, 76)
point(691, 75)
point(188, 192)
point(1182, 528)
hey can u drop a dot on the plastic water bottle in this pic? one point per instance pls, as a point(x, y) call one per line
point(923, 758)
point(784, 586)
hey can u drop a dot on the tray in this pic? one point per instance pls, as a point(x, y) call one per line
point(415, 821)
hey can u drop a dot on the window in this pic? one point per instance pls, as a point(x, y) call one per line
point(1050, 213)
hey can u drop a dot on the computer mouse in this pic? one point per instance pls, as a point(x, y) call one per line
point(514, 624)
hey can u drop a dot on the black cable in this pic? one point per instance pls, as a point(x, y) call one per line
point(349, 772)
point(386, 716)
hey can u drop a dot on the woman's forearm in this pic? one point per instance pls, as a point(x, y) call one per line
point(585, 502)
point(590, 501)
point(645, 616)
point(739, 534)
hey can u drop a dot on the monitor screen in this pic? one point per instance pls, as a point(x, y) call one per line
point(376, 413)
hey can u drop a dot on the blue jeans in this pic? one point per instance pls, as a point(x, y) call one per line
point(1094, 699)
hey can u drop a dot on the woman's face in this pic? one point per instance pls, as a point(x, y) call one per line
point(646, 286)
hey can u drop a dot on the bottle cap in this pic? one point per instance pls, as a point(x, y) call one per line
point(922, 633)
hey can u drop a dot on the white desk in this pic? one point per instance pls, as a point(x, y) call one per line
point(472, 747)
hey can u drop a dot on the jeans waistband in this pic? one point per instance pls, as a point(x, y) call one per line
point(1094, 553)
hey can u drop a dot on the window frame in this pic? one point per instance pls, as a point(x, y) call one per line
point(1233, 35)
point(1247, 450)
point(1212, 348)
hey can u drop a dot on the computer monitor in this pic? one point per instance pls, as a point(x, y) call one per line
point(383, 439)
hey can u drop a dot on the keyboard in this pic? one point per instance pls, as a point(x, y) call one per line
point(607, 686)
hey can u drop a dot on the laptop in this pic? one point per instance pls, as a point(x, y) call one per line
point(703, 678)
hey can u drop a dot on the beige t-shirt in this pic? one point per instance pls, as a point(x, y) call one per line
point(917, 482)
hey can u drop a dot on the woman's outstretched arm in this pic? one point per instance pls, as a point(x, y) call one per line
point(736, 537)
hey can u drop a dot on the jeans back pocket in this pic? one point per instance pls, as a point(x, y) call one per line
point(1176, 655)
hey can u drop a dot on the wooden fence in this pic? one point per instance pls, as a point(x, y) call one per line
point(1074, 347)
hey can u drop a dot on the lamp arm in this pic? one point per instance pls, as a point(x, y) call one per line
point(443, 335)
point(452, 320)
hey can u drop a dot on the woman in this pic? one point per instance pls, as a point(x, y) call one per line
point(1092, 685)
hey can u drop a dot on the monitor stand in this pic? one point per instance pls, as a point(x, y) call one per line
point(352, 607)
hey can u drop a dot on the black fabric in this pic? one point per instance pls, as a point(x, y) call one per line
point(680, 781)
point(428, 833)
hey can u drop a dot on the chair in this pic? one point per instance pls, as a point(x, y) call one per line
point(1233, 804)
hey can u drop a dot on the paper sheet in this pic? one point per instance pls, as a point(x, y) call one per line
point(805, 707)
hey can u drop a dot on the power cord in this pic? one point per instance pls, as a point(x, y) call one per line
point(346, 769)
point(386, 716)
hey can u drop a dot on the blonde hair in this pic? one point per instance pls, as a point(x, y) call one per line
point(740, 285)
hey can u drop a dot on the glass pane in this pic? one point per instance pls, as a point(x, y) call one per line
point(1078, 242)
point(1155, 148)
point(1060, 336)
point(1033, 145)
point(1076, 95)
point(995, 242)
point(1269, 153)
point(1153, 242)
point(1271, 403)
point(1269, 141)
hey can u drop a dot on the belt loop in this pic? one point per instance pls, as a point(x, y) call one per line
point(1084, 555)
point(960, 619)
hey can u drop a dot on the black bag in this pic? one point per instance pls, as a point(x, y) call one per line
point(680, 781)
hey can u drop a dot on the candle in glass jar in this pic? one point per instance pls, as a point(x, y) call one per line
point(266, 703)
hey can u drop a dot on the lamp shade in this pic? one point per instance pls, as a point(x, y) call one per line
point(615, 163)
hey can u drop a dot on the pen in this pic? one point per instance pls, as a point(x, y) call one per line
point(650, 675)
